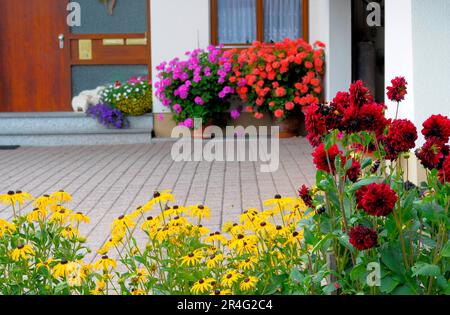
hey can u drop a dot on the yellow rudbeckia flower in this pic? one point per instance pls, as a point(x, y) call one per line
point(64, 268)
point(61, 196)
point(105, 263)
point(230, 278)
point(22, 252)
point(38, 214)
point(191, 259)
point(202, 286)
point(248, 283)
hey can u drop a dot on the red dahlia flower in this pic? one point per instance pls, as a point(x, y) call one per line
point(359, 195)
point(433, 153)
point(379, 200)
point(354, 172)
point(314, 125)
point(359, 94)
point(305, 194)
point(398, 90)
point(402, 136)
point(372, 118)
point(363, 238)
point(444, 173)
point(323, 162)
point(437, 126)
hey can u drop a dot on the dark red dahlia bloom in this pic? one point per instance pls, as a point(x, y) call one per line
point(354, 172)
point(398, 90)
point(379, 200)
point(359, 194)
point(314, 125)
point(437, 126)
point(363, 238)
point(372, 118)
point(323, 162)
point(402, 136)
point(433, 153)
point(342, 101)
point(359, 94)
point(444, 172)
point(305, 194)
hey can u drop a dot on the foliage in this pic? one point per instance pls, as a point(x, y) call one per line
point(196, 87)
point(132, 98)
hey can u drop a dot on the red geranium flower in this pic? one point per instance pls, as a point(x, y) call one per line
point(444, 173)
point(432, 154)
point(379, 200)
point(363, 238)
point(321, 160)
point(305, 194)
point(437, 126)
point(402, 136)
point(398, 90)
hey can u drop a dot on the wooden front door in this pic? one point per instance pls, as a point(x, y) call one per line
point(34, 69)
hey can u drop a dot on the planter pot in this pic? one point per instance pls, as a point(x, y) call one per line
point(289, 127)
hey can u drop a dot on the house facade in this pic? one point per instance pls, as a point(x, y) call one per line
point(370, 40)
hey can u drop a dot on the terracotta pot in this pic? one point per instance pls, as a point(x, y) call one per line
point(289, 127)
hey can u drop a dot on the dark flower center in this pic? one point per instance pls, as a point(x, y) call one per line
point(201, 207)
point(11, 193)
point(201, 281)
point(191, 255)
point(295, 234)
point(229, 276)
point(105, 257)
point(277, 196)
point(240, 236)
point(156, 194)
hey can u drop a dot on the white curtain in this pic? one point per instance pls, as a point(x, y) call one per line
point(282, 19)
point(237, 21)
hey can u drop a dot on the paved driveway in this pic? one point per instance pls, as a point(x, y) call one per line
point(107, 181)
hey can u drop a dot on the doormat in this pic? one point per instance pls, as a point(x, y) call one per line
point(9, 147)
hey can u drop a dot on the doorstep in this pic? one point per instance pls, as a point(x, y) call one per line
point(64, 128)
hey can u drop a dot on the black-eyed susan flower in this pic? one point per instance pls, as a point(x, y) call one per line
point(22, 252)
point(248, 264)
point(6, 227)
point(79, 217)
point(295, 237)
point(199, 212)
point(160, 198)
point(175, 211)
point(202, 286)
point(222, 292)
point(123, 222)
point(216, 237)
point(248, 283)
point(64, 268)
point(70, 232)
point(38, 214)
point(141, 276)
point(105, 263)
point(61, 196)
point(214, 260)
point(44, 201)
point(280, 231)
point(21, 197)
point(246, 245)
point(230, 278)
point(264, 227)
point(280, 201)
point(150, 224)
point(137, 291)
point(99, 288)
point(8, 198)
point(44, 264)
point(110, 243)
point(75, 279)
point(192, 259)
point(62, 216)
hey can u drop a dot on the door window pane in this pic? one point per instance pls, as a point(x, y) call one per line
point(282, 19)
point(236, 21)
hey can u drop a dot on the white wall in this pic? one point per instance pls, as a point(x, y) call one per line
point(399, 53)
point(177, 26)
point(330, 22)
point(431, 55)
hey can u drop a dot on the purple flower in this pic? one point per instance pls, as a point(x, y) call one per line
point(177, 108)
point(189, 123)
point(107, 116)
point(235, 114)
point(199, 101)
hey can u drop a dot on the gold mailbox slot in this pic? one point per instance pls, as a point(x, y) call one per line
point(85, 49)
point(136, 41)
point(113, 42)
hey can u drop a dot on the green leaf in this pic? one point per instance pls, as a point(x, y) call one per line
point(366, 162)
point(391, 258)
point(446, 250)
point(358, 272)
point(321, 243)
point(403, 290)
point(296, 276)
point(424, 269)
point(388, 284)
point(363, 182)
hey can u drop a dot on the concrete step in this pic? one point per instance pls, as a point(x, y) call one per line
point(59, 129)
